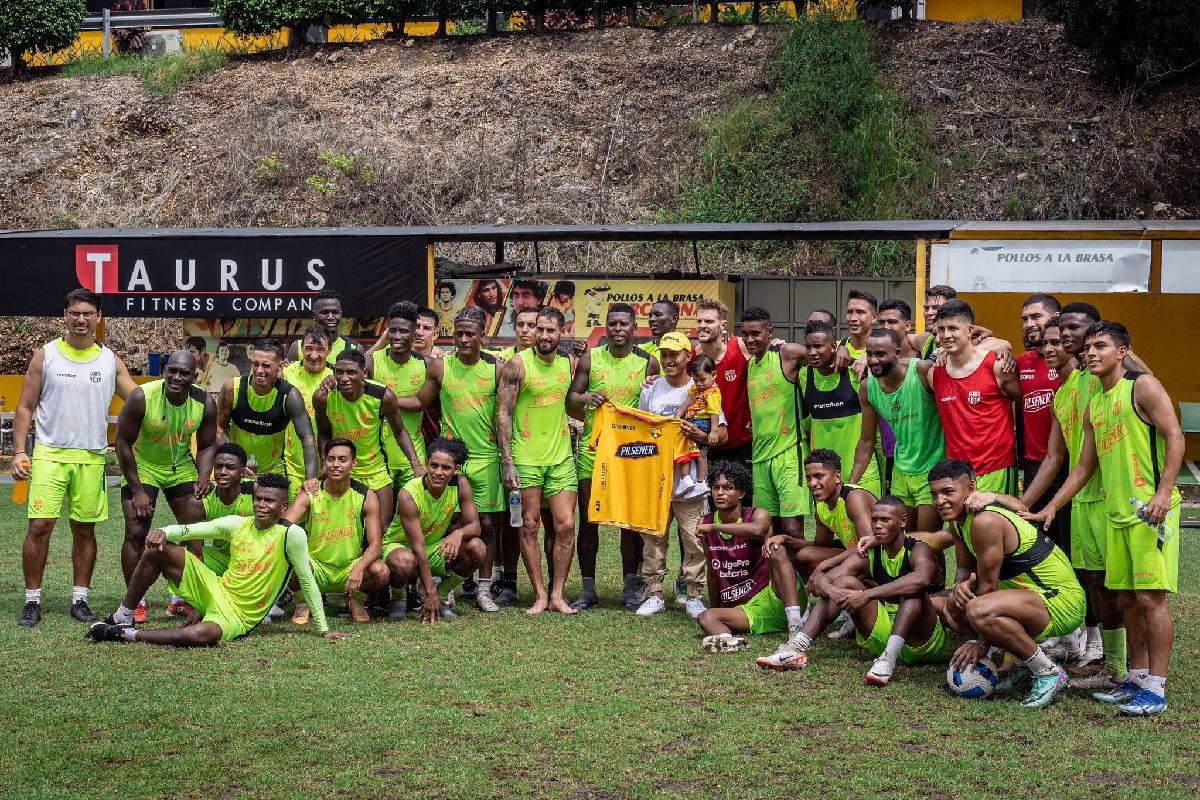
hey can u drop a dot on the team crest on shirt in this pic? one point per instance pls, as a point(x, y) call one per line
point(655, 432)
point(973, 398)
point(95, 376)
point(1052, 374)
point(730, 375)
point(896, 406)
point(37, 505)
point(1116, 407)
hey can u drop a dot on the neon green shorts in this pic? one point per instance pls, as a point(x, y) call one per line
point(216, 560)
point(202, 588)
point(912, 489)
point(777, 486)
point(437, 564)
point(375, 480)
point(586, 464)
point(553, 480)
point(1137, 559)
point(1001, 481)
point(765, 611)
point(400, 473)
point(1067, 607)
point(82, 486)
point(165, 478)
point(1089, 535)
point(486, 487)
point(330, 579)
point(931, 652)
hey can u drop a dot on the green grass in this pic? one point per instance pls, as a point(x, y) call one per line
point(159, 77)
point(605, 705)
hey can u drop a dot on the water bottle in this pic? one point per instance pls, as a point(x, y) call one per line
point(252, 465)
point(1165, 532)
point(515, 515)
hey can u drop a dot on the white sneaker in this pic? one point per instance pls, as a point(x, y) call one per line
point(724, 643)
point(685, 484)
point(485, 603)
point(787, 656)
point(844, 632)
point(694, 607)
point(880, 672)
point(276, 613)
point(653, 605)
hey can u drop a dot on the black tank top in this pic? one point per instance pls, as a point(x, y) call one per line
point(262, 423)
point(841, 401)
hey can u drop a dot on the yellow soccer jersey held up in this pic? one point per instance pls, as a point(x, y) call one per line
point(636, 453)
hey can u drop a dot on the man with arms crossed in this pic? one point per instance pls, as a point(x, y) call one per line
point(68, 388)
point(265, 549)
point(1014, 587)
point(615, 373)
point(154, 436)
point(1133, 436)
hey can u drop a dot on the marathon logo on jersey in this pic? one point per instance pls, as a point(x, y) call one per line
point(635, 451)
point(973, 398)
point(1036, 401)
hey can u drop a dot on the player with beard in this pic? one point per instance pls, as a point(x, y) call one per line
point(731, 357)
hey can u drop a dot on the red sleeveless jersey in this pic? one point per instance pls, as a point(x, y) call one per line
point(976, 418)
point(735, 402)
point(1038, 385)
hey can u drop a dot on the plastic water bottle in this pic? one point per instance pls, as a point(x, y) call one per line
point(515, 514)
point(1165, 532)
point(252, 465)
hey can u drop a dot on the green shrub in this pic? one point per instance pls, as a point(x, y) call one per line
point(39, 26)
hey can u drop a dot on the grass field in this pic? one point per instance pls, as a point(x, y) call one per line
point(605, 705)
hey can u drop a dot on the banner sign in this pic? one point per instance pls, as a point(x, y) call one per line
point(583, 301)
point(1181, 266)
point(1077, 266)
point(230, 274)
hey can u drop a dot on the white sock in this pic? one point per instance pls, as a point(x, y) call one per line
point(1157, 685)
point(176, 598)
point(123, 616)
point(1040, 664)
point(1138, 676)
point(1093, 637)
point(803, 640)
point(79, 593)
point(131, 634)
point(142, 602)
point(795, 619)
point(485, 584)
point(33, 596)
point(894, 645)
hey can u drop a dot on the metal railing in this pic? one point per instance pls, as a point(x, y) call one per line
point(107, 20)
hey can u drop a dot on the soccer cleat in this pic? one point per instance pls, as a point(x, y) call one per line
point(358, 612)
point(484, 602)
point(1091, 676)
point(1123, 693)
point(31, 615)
point(507, 594)
point(1019, 679)
point(724, 643)
point(1144, 704)
point(178, 607)
point(470, 588)
point(653, 605)
point(140, 613)
point(302, 614)
point(788, 656)
point(105, 632)
point(881, 671)
point(399, 609)
point(82, 612)
point(844, 632)
point(414, 597)
point(448, 612)
point(694, 607)
point(1045, 687)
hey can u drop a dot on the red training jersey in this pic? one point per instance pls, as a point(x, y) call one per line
point(1038, 384)
point(976, 417)
point(735, 402)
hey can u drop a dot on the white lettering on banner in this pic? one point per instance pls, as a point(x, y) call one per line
point(228, 270)
point(1056, 265)
point(140, 278)
point(98, 260)
point(318, 281)
point(191, 281)
point(268, 284)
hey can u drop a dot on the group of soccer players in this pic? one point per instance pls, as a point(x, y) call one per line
point(360, 475)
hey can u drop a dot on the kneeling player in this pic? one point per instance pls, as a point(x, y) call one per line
point(435, 532)
point(340, 520)
point(740, 590)
point(264, 549)
point(1014, 587)
point(231, 496)
point(886, 592)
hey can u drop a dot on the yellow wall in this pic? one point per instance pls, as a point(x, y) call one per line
point(965, 10)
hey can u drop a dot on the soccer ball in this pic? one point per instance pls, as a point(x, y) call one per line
point(975, 684)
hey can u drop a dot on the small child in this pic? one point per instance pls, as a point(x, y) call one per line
point(702, 409)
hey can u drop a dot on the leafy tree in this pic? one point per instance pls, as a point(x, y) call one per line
point(39, 26)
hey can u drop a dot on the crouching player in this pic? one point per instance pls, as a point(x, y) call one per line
point(741, 594)
point(264, 549)
point(435, 532)
point(1014, 587)
point(345, 539)
point(885, 589)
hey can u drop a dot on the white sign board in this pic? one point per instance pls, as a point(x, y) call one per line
point(1053, 265)
point(1181, 266)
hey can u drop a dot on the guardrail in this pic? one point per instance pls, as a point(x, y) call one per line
point(107, 20)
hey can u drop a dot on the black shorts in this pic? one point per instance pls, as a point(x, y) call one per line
point(1060, 527)
point(171, 492)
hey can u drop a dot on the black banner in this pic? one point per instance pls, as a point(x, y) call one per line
point(229, 274)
